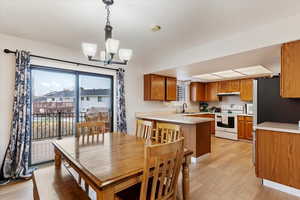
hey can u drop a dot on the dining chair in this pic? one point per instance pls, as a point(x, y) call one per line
point(144, 129)
point(162, 164)
point(166, 132)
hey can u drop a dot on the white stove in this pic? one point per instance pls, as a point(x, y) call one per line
point(226, 121)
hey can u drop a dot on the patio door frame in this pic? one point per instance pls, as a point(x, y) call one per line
point(77, 93)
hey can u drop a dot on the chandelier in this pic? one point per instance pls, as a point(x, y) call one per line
point(111, 45)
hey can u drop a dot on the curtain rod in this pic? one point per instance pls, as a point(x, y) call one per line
point(65, 61)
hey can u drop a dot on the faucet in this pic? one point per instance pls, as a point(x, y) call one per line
point(184, 106)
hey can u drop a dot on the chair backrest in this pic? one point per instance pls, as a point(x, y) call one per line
point(162, 162)
point(87, 129)
point(165, 133)
point(143, 129)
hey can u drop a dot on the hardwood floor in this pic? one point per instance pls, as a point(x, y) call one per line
point(227, 174)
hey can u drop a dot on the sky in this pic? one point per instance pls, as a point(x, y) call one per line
point(48, 81)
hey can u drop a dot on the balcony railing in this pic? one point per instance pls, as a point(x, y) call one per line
point(53, 125)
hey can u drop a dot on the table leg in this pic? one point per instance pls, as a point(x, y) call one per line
point(185, 181)
point(57, 158)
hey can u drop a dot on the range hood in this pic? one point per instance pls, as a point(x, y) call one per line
point(229, 94)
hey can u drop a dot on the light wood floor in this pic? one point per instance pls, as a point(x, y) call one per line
point(227, 174)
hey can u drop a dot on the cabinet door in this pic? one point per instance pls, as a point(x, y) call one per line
point(290, 70)
point(171, 84)
point(241, 127)
point(247, 89)
point(157, 87)
point(223, 86)
point(211, 91)
point(234, 86)
point(248, 128)
point(197, 91)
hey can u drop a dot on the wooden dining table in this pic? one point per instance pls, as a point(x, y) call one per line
point(110, 163)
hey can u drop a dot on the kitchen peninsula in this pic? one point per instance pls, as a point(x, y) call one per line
point(196, 130)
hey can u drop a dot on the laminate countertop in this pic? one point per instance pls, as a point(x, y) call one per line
point(174, 118)
point(280, 127)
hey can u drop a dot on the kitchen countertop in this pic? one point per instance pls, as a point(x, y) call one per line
point(175, 118)
point(280, 127)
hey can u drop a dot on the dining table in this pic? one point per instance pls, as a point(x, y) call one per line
point(111, 162)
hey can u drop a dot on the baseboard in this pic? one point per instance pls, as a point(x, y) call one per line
point(198, 159)
point(282, 188)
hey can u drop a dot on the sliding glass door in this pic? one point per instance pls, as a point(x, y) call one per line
point(62, 98)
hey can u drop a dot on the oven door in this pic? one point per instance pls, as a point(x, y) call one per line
point(229, 126)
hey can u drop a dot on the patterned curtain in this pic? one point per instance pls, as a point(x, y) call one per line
point(121, 111)
point(16, 160)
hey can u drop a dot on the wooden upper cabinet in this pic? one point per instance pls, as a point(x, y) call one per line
point(197, 91)
point(234, 86)
point(171, 84)
point(246, 89)
point(290, 70)
point(223, 86)
point(229, 86)
point(154, 87)
point(211, 91)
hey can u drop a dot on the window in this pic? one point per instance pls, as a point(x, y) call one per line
point(82, 98)
point(87, 98)
point(181, 91)
point(53, 99)
point(99, 99)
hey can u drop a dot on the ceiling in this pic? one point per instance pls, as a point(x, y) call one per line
point(269, 57)
point(184, 23)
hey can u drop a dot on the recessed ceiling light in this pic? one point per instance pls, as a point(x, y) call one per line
point(228, 74)
point(155, 28)
point(255, 70)
point(206, 77)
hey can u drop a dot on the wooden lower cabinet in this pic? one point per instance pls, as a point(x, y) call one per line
point(277, 157)
point(245, 127)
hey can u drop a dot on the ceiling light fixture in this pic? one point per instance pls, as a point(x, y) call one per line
point(111, 45)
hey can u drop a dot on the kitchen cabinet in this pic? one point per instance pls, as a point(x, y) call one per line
point(159, 88)
point(277, 157)
point(246, 89)
point(290, 70)
point(229, 86)
point(171, 85)
point(211, 91)
point(223, 87)
point(245, 127)
point(154, 87)
point(197, 91)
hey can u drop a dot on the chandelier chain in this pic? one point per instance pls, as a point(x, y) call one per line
point(107, 15)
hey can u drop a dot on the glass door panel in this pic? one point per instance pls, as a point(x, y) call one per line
point(95, 99)
point(52, 111)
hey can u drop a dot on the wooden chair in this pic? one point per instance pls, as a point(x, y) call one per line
point(165, 133)
point(160, 175)
point(143, 129)
point(90, 130)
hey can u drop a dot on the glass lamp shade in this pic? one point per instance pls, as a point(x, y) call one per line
point(112, 46)
point(89, 49)
point(102, 55)
point(125, 54)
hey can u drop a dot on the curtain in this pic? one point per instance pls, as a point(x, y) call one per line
point(16, 161)
point(121, 110)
